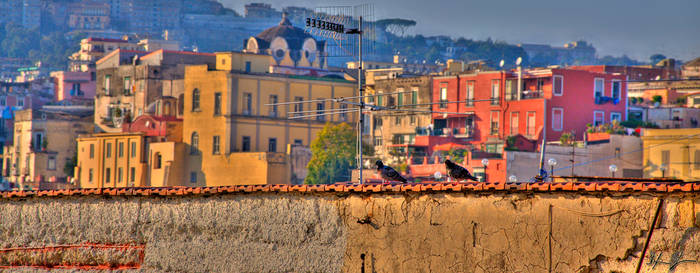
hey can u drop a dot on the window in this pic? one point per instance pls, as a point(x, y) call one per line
point(495, 91)
point(133, 149)
point(217, 104)
point(470, 93)
point(119, 174)
point(413, 119)
point(120, 149)
point(298, 106)
point(3, 101)
point(107, 84)
point(397, 120)
point(247, 103)
point(108, 150)
point(51, 165)
point(272, 145)
point(530, 124)
point(557, 119)
point(215, 149)
point(599, 86)
point(443, 97)
point(245, 147)
point(666, 158)
point(414, 98)
point(108, 173)
point(127, 85)
point(247, 67)
point(510, 90)
point(194, 143)
point(75, 90)
point(598, 118)
point(20, 101)
point(38, 141)
point(378, 141)
point(273, 107)
point(90, 175)
point(380, 99)
point(319, 111)
point(558, 85)
point(132, 178)
point(615, 116)
point(616, 89)
point(400, 101)
point(157, 161)
point(494, 122)
point(92, 150)
point(298, 142)
point(193, 177)
point(195, 100)
point(343, 114)
point(514, 123)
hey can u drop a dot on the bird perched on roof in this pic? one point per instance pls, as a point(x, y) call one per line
point(457, 172)
point(388, 173)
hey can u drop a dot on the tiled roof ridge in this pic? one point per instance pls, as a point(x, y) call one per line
point(481, 187)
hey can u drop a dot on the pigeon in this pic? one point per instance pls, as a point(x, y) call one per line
point(389, 173)
point(457, 172)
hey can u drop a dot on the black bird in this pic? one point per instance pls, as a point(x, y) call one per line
point(457, 172)
point(389, 173)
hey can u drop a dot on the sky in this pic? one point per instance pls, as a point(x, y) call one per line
point(637, 28)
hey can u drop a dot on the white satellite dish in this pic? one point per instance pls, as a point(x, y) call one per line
point(502, 63)
point(519, 61)
point(658, 77)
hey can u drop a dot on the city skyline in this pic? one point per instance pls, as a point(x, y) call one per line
point(614, 28)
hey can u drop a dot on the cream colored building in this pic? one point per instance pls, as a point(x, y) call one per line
point(672, 153)
point(43, 143)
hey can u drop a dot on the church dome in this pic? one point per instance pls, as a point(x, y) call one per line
point(295, 36)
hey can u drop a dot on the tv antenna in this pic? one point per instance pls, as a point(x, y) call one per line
point(338, 26)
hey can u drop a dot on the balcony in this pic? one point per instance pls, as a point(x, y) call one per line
point(531, 94)
point(605, 99)
point(463, 132)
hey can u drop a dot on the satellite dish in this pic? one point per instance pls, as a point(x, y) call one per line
point(658, 77)
point(502, 63)
point(519, 61)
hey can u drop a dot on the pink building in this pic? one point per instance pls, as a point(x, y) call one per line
point(69, 85)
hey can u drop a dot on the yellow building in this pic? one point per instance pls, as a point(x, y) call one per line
point(43, 143)
point(111, 160)
point(232, 136)
point(672, 153)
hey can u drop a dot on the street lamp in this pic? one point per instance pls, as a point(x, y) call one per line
point(437, 175)
point(513, 178)
point(485, 162)
point(551, 162)
point(613, 169)
point(663, 170)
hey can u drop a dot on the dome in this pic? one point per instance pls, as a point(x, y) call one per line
point(295, 36)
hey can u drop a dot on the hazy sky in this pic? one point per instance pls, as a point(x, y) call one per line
point(637, 28)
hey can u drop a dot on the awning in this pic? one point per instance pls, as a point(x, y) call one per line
point(449, 147)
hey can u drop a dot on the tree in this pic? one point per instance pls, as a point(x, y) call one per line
point(656, 58)
point(396, 26)
point(657, 98)
point(333, 155)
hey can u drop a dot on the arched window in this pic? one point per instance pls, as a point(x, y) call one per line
point(194, 144)
point(195, 100)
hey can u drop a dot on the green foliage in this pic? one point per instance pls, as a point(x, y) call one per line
point(52, 49)
point(656, 58)
point(640, 100)
point(682, 100)
point(457, 155)
point(510, 144)
point(657, 98)
point(611, 128)
point(638, 124)
point(633, 100)
point(333, 155)
point(624, 60)
point(567, 138)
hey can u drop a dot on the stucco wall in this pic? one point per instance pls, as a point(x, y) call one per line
point(342, 232)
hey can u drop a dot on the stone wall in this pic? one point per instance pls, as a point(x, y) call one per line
point(386, 231)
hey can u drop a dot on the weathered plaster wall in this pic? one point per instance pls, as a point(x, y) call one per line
point(342, 232)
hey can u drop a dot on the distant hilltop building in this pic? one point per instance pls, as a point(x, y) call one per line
point(579, 52)
point(260, 10)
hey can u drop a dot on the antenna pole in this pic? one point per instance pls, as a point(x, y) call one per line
point(360, 88)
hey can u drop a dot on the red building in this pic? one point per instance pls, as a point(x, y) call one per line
point(490, 108)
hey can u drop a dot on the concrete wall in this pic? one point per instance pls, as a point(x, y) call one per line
point(488, 231)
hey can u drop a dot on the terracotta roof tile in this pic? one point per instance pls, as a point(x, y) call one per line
point(429, 186)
